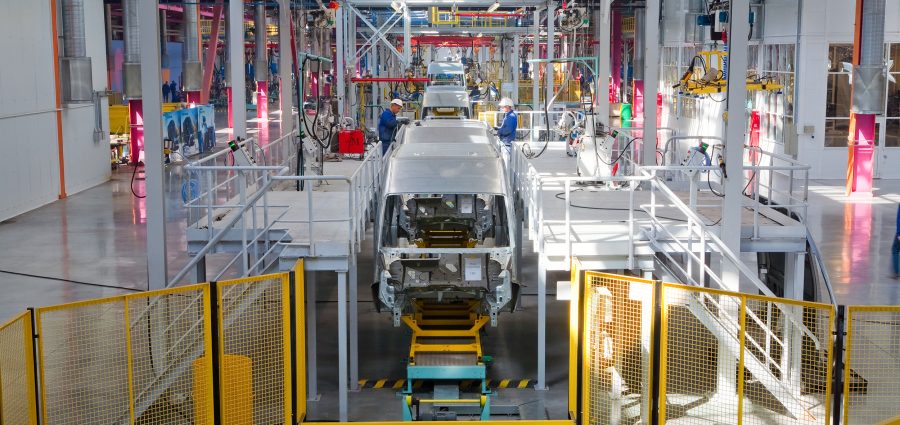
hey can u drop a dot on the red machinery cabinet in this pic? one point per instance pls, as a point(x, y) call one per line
point(351, 142)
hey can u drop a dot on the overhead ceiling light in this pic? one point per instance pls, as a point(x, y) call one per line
point(494, 6)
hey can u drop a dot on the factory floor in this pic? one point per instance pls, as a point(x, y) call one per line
point(92, 244)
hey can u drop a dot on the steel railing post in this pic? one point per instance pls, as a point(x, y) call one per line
point(568, 224)
point(837, 386)
point(243, 201)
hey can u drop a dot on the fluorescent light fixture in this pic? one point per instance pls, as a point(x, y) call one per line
point(494, 6)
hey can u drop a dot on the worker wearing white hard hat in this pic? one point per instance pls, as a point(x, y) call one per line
point(507, 129)
point(387, 123)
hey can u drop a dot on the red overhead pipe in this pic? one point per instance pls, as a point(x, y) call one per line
point(390, 80)
point(450, 40)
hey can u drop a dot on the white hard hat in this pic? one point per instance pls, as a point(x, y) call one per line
point(506, 102)
point(397, 102)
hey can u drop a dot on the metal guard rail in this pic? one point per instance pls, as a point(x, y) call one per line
point(362, 194)
point(531, 183)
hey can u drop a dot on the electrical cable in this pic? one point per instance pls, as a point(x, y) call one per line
point(133, 174)
point(77, 282)
point(561, 196)
point(526, 148)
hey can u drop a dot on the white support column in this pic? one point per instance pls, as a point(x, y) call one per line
point(285, 66)
point(154, 168)
point(734, 149)
point(354, 324)
point(541, 384)
point(551, 53)
point(376, 87)
point(791, 357)
point(651, 80)
point(536, 74)
point(343, 393)
point(734, 134)
point(515, 63)
point(235, 47)
point(312, 376)
point(601, 80)
point(407, 37)
point(340, 56)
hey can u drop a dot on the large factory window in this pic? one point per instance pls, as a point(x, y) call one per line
point(776, 108)
point(892, 100)
point(837, 101)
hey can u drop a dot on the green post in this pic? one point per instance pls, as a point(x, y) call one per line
point(625, 115)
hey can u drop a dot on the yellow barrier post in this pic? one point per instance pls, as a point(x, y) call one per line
point(253, 332)
point(574, 337)
point(299, 333)
point(617, 323)
point(871, 375)
point(18, 404)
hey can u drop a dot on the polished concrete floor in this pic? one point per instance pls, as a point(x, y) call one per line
point(92, 244)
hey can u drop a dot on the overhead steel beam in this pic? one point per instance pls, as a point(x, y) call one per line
point(238, 82)
point(378, 32)
point(407, 48)
point(285, 67)
point(651, 82)
point(154, 168)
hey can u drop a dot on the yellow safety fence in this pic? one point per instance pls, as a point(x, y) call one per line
point(650, 351)
point(158, 357)
point(641, 351)
point(17, 396)
point(739, 358)
point(872, 368)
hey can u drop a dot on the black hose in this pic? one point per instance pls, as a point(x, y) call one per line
point(133, 174)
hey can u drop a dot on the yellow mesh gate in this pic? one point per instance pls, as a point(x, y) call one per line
point(84, 362)
point(690, 356)
point(800, 361)
point(17, 400)
point(254, 316)
point(872, 368)
point(738, 358)
point(168, 332)
point(617, 349)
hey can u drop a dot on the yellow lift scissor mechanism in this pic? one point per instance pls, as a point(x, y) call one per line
point(709, 77)
point(446, 350)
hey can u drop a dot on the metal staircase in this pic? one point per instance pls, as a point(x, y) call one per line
point(684, 244)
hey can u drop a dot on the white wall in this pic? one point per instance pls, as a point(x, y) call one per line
point(821, 25)
point(87, 160)
point(837, 16)
point(29, 169)
point(29, 166)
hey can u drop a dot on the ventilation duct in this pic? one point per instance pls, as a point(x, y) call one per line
point(869, 75)
point(132, 66)
point(77, 84)
point(260, 65)
point(190, 53)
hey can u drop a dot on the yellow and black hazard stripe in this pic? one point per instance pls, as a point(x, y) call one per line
point(471, 384)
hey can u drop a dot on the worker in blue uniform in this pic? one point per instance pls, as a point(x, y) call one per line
point(387, 124)
point(895, 249)
point(507, 129)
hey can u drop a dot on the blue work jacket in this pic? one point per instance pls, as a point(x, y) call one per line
point(507, 130)
point(386, 125)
